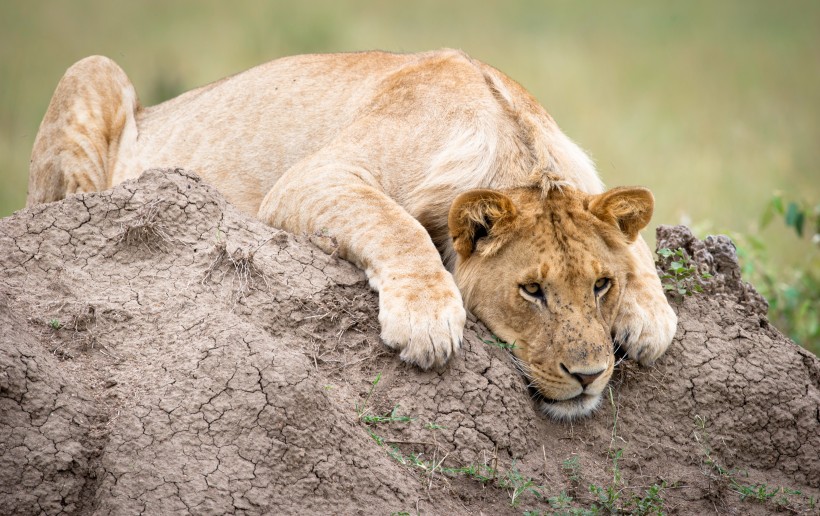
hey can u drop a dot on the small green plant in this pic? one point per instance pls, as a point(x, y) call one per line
point(495, 341)
point(758, 493)
point(480, 472)
point(379, 440)
point(609, 495)
point(392, 417)
point(517, 484)
point(433, 426)
point(55, 324)
point(681, 277)
point(560, 501)
point(650, 503)
point(360, 410)
point(572, 468)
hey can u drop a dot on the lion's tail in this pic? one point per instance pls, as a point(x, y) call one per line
point(91, 115)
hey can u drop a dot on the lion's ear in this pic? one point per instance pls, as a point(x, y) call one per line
point(478, 214)
point(628, 209)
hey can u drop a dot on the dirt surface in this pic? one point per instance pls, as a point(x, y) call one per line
point(161, 353)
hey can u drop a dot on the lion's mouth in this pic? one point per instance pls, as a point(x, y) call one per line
point(573, 408)
point(577, 407)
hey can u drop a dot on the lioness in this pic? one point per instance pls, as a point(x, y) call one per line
point(413, 162)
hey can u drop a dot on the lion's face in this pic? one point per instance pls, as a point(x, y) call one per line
point(545, 273)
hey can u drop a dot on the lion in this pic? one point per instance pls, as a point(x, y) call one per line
point(441, 178)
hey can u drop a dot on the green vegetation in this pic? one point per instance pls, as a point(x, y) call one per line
point(495, 341)
point(517, 485)
point(512, 481)
point(572, 468)
point(361, 410)
point(682, 277)
point(793, 291)
point(783, 498)
point(615, 497)
point(392, 417)
point(55, 324)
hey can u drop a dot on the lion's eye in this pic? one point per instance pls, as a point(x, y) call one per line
point(601, 286)
point(532, 291)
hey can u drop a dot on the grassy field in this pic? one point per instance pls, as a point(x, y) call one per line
point(713, 105)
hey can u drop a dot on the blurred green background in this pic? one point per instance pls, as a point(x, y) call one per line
point(713, 105)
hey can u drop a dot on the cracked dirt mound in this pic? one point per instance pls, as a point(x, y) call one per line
point(161, 352)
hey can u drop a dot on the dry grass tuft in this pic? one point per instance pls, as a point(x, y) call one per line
point(240, 262)
point(144, 229)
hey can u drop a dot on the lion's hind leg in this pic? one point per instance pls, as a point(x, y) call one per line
point(88, 124)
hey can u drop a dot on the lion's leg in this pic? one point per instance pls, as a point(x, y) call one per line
point(420, 308)
point(646, 324)
point(90, 119)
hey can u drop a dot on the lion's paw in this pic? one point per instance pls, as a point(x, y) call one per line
point(644, 330)
point(425, 324)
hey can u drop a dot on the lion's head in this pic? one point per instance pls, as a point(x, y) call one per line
point(545, 269)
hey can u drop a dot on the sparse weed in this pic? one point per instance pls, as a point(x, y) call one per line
point(387, 418)
point(379, 440)
point(512, 481)
point(517, 484)
point(680, 277)
point(495, 341)
point(433, 426)
point(615, 498)
point(651, 503)
point(608, 496)
point(560, 501)
point(758, 493)
point(72, 327)
point(480, 472)
point(360, 411)
point(572, 468)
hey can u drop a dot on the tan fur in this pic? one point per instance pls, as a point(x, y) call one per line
point(371, 148)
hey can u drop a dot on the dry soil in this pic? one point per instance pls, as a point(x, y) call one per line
point(160, 352)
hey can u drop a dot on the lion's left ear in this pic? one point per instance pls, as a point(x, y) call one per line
point(627, 208)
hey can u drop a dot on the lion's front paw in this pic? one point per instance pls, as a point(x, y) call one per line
point(644, 330)
point(425, 322)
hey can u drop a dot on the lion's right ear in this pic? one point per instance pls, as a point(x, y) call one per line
point(628, 209)
point(478, 214)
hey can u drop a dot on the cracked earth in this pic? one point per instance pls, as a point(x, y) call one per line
point(162, 353)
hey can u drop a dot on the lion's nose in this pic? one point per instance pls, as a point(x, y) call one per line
point(584, 378)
